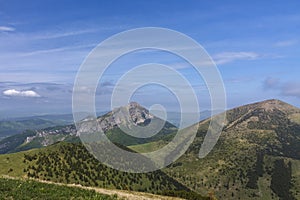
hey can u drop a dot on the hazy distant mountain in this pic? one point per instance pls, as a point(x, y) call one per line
point(14, 126)
point(256, 157)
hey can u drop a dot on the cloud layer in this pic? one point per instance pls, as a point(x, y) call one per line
point(24, 93)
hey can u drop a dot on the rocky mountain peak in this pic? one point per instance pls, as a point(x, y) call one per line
point(137, 114)
point(134, 105)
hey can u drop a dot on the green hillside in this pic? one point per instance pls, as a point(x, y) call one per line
point(256, 157)
point(72, 163)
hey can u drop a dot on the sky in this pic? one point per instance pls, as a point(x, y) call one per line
point(255, 45)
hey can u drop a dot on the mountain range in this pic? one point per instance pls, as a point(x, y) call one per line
point(109, 123)
point(256, 157)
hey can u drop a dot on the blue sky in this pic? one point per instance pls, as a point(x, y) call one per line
point(43, 43)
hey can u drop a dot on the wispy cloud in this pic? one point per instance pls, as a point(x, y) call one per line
point(64, 34)
point(7, 29)
point(286, 43)
point(70, 33)
point(289, 88)
point(222, 58)
point(18, 93)
point(54, 50)
point(226, 57)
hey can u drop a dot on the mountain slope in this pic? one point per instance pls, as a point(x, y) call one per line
point(256, 157)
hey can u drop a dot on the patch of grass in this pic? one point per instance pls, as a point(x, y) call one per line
point(13, 165)
point(295, 118)
point(295, 178)
point(148, 147)
point(264, 188)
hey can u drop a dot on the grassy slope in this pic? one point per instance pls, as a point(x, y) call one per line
point(71, 163)
point(228, 170)
point(116, 135)
point(148, 147)
point(234, 168)
point(29, 189)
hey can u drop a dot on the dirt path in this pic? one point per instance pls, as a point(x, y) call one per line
point(130, 195)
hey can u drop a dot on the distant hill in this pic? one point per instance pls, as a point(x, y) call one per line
point(256, 157)
point(13, 126)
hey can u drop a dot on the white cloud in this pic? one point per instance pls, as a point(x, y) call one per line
point(24, 93)
point(7, 28)
point(226, 57)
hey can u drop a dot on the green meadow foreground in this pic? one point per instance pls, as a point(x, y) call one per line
point(11, 188)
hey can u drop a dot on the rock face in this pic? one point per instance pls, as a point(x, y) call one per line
point(49, 136)
point(133, 114)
